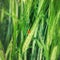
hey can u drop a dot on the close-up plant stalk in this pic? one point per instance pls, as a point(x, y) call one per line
point(29, 29)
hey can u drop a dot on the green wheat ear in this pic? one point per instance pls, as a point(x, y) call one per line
point(54, 53)
point(29, 37)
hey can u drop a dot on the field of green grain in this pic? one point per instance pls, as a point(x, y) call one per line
point(29, 29)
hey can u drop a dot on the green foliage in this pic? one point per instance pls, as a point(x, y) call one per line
point(30, 30)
